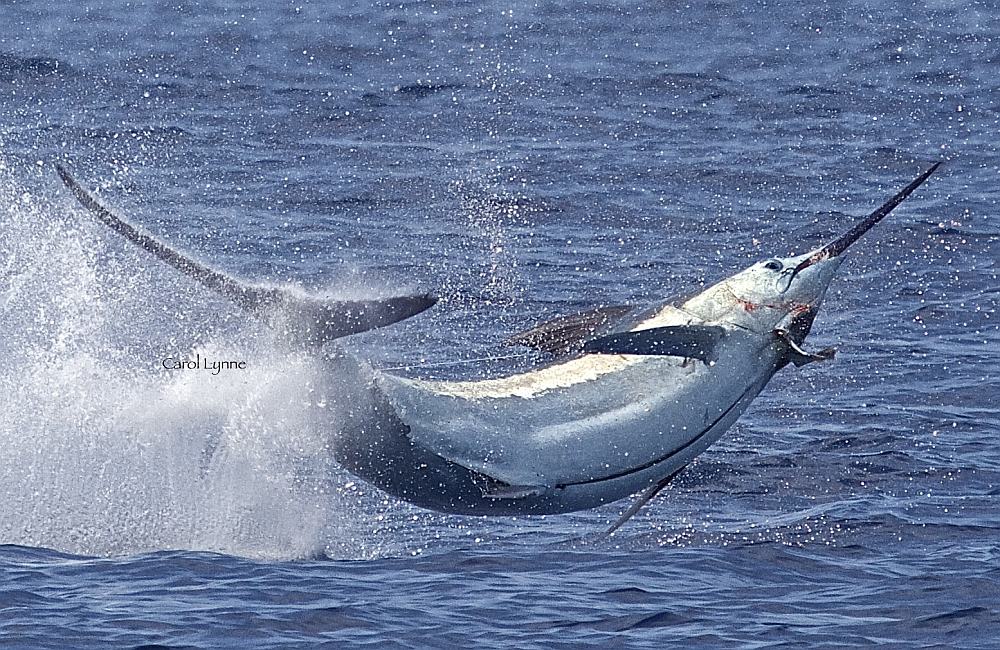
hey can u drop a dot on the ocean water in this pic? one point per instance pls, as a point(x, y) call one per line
point(521, 160)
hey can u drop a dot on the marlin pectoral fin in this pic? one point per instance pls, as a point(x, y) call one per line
point(567, 334)
point(689, 341)
point(800, 357)
point(321, 319)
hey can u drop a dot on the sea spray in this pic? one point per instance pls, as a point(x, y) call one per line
point(106, 452)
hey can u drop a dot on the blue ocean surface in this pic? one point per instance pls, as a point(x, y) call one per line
point(520, 160)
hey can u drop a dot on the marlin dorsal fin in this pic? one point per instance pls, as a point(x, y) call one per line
point(567, 334)
point(689, 341)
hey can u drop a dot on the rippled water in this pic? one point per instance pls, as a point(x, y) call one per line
point(520, 160)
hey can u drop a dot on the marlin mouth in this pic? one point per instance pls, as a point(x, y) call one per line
point(842, 243)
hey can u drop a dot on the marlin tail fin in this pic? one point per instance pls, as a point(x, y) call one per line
point(322, 320)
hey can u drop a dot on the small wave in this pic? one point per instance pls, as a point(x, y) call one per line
point(21, 68)
point(628, 622)
point(630, 595)
point(690, 80)
point(20, 598)
point(968, 616)
point(421, 90)
point(939, 78)
point(140, 133)
point(810, 91)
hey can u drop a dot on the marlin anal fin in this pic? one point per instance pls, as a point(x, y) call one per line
point(567, 334)
point(644, 498)
point(319, 319)
point(688, 341)
point(800, 357)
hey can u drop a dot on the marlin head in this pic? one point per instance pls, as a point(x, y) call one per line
point(785, 293)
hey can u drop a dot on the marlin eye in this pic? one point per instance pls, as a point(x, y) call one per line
point(773, 265)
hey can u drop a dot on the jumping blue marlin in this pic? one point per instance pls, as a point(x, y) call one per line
point(630, 398)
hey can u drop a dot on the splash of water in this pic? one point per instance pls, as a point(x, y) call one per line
point(108, 452)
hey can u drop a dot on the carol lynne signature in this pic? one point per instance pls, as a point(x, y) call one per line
point(202, 363)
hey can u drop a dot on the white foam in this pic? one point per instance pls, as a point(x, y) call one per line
point(106, 452)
